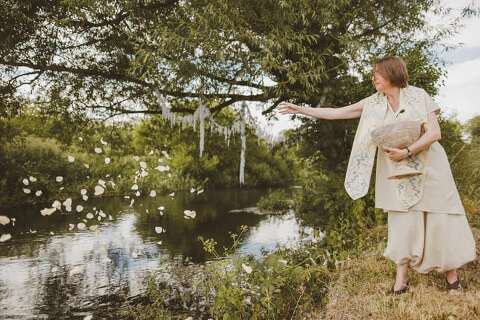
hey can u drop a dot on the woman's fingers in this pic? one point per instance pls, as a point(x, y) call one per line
point(286, 107)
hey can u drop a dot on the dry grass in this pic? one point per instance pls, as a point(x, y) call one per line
point(361, 286)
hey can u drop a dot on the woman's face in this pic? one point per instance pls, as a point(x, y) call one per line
point(381, 84)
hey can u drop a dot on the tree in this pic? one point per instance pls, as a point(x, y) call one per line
point(108, 56)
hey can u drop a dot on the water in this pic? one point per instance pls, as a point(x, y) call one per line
point(49, 271)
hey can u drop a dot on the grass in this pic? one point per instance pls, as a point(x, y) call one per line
point(360, 286)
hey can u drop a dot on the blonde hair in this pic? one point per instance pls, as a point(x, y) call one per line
point(393, 69)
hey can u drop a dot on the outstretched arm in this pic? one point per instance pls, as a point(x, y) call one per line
point(349, 112)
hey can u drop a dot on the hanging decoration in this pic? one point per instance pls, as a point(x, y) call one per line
point(202, 113)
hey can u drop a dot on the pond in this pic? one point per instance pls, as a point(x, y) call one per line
point(52, 269)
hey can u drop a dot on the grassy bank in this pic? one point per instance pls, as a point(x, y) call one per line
point(358, 291)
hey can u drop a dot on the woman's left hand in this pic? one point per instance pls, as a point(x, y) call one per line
point(395, 154)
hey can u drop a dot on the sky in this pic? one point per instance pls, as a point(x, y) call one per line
point(459, 96)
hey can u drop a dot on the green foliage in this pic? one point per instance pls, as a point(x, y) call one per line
point(108, 56)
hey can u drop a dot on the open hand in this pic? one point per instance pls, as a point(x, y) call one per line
point(395, 154)
point(288, 108)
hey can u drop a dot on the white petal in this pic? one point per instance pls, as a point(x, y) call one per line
point(86, 165)
point(59, 179)
point(98, 150)
point(143, 164)
point(247, 268)
point(192, 190)
point(67, 202)
point(172, 194)
point(102, 183)
point(153, 193)
point(107, 160)
point(80, 138)
point(71, 226)
point(25, 182)
point(99, 190)
point(57, 205)
point(81, 226)
point(38, 193)
point(27, 191)
point(85, 197)
point(47, 211)
point(89, 215)
point(103, 142)
point(161, 208)
point(137, 193)
point(83, 191)
point(159, 229)
point(93, 227)
point(4, 220)
point(32, 179)
point(79, 208)
point(135, 187)
point(132, 202)
point(71, 159)
point(5, 237)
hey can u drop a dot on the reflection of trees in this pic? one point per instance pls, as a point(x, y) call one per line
point(58, 293)
point(212, 220)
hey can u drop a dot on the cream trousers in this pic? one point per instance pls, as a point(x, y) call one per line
point(429, 241)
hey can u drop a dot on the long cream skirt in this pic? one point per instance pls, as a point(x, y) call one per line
point(429, 241)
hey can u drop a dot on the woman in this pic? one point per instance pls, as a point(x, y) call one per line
point(431, 232)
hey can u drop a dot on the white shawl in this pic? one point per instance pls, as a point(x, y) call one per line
point(413, 101)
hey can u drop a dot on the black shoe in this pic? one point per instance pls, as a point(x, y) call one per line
point(401, 291)
point(456, 285)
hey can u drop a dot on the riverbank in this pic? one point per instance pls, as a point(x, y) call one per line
point(359, 286)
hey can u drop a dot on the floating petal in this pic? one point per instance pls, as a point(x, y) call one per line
point(59, 179)
point(79, 208)
point(27, 191)
point(38, 193)
point(134, 187)
point(83, 191)
point(47, 211)
point(98, 150)
point(159, 230)
point(99, 190)
point(25, 182)
point(32, 179)
point(153, 193)
point(4, 220)
point(5, 237)
point(247, 268)
point(71, 159)
point(81, 226)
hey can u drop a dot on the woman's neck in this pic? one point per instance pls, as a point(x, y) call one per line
point(393, 96)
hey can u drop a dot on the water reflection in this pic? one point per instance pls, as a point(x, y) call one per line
point(64, 274)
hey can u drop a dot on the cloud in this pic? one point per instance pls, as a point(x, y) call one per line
point(461, 92)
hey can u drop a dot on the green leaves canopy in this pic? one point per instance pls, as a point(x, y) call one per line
point(107, 56)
